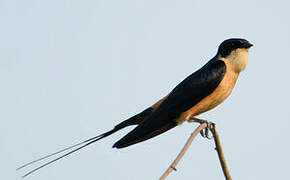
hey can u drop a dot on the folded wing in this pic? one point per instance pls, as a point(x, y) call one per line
point(184, 96)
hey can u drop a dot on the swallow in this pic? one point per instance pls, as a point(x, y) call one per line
point(199, 92)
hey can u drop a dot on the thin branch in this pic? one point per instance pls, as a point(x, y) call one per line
point(220, 153)
point(207, 126)
point(184, 149)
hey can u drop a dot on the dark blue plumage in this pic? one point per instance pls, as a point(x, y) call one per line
point(184, 96)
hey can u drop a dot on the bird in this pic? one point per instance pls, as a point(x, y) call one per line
point(201, 91)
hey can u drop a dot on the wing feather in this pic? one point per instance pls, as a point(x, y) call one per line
point(184, 96)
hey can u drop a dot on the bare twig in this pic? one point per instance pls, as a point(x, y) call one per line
point(203, 125)
point(182, 152)
point(220, 153)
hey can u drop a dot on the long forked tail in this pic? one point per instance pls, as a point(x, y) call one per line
point(131, 121)
point(78, 145)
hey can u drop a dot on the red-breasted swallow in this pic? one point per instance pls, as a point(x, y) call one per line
point(199, 92)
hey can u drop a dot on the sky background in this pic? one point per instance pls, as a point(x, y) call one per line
point(70, 70)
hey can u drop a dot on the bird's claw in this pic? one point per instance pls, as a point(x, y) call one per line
point(205, 133)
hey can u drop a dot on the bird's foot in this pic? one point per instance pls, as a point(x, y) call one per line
point(205, 132)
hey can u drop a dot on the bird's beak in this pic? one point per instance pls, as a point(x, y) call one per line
point(247, 45)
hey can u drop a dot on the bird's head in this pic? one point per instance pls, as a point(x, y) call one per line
point(235, 51)
point(229, 45)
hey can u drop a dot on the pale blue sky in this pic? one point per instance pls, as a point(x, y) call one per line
point(70, 70)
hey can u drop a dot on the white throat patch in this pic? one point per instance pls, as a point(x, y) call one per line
point(238, 59)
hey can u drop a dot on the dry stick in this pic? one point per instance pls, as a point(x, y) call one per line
point(220, 153)
point(184, 149)
point(203, 124)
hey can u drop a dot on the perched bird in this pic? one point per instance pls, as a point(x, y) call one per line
point(201, 91)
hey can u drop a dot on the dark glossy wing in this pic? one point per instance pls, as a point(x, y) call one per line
point(184, 96)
